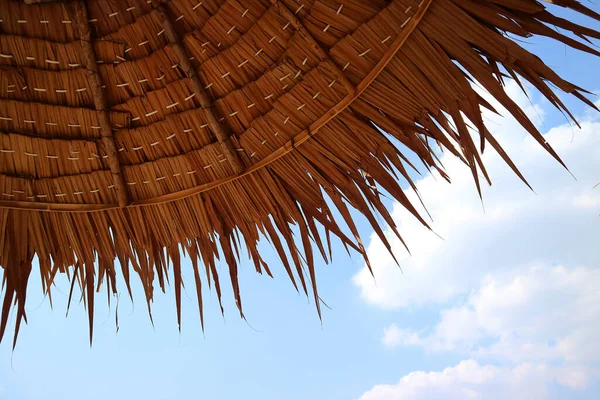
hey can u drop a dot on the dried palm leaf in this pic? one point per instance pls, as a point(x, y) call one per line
point(140, 130)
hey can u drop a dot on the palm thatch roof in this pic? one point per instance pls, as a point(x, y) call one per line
point(136, 131)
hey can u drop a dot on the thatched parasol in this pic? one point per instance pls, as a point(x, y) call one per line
point(137, 130)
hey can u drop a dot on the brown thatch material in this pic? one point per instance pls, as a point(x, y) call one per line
point(137, 130)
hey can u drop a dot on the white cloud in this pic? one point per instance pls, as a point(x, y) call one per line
point(557, 224)
point(470, 380)
point(543, 313)
point(394, 336)
point(518, 285)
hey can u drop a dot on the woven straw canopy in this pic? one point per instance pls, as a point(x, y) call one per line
point(135, 131)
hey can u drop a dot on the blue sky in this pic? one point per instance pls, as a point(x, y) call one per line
point(506, 305)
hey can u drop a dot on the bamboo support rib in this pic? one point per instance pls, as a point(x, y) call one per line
point(44, 1)
point(100, 103)
point(323, 56)
point(205, 101)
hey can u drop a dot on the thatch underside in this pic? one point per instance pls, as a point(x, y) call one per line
point(138, 130)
